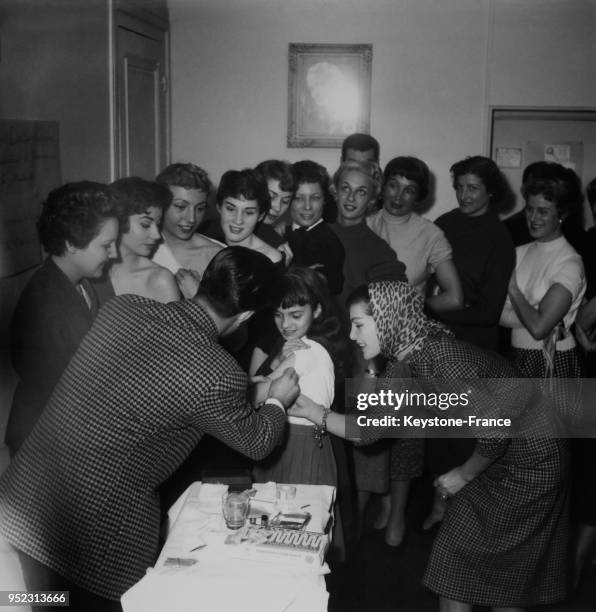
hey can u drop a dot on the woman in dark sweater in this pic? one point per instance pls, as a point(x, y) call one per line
point(482, 250)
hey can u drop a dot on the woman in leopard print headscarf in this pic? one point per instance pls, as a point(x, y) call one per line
point(515, 486)
point(402, 329)
point(401, 323)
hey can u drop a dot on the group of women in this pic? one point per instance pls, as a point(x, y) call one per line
point(343, 240)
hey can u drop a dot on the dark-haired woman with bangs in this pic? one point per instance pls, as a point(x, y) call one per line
point(77, 228)
point(140, 205)
point(310, 342)
point(242, 202)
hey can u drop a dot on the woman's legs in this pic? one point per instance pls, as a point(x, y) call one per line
point(396, 525)
point(383, 516)
point(363, 497)
point(586, 537)
point(437, 513)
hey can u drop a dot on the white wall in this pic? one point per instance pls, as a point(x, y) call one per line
point(437, 67)
point(54, 67)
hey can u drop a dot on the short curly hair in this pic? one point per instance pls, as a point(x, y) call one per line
point(133, 195)
point(487, 171)
point(74, 213)
point(185, 175)
point(278, 170)
point(554, 183)
point(308, 171)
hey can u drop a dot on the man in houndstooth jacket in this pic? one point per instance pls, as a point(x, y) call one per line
point(79, 500)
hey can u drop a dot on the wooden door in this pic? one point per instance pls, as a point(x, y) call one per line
point(142, 109)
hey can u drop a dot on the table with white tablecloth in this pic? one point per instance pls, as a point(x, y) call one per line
point(197, 570)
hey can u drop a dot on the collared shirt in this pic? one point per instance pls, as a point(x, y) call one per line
point(147, 382)
point(295, 226)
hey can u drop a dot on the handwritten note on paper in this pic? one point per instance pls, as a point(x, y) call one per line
point(29, 169)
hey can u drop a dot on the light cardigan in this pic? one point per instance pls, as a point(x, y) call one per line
point(539, 266)
point(418, 242)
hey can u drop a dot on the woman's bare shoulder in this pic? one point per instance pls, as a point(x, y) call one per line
point(161, 284)
point(204, 242)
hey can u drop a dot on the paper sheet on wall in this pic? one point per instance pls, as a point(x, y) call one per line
point(568, 154)
point(29, 169)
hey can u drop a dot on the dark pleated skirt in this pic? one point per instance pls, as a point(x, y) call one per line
point(300, 460)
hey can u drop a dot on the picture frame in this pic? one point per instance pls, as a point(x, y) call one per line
point(329, 89)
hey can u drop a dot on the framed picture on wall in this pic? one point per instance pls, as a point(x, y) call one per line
point(328, 93)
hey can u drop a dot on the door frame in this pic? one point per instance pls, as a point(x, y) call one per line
point(145, 23)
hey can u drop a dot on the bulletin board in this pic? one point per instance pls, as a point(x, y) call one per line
point(29, 169)
point(521, 136)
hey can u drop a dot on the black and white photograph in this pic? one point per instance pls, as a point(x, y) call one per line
point(298, 305)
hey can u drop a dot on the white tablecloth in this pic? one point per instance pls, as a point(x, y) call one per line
point(218, 581)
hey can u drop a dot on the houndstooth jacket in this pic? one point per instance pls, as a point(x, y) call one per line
point(147, 382)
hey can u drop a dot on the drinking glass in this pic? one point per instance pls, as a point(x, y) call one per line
point(235, 507)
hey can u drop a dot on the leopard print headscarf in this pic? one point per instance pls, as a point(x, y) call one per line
point(402, 326)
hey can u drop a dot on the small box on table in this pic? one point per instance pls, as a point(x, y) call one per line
point(279, 545)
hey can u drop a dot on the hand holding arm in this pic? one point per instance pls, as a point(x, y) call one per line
point(285, 388)
point(287, 352)
point(304, 407)
point(286, 251)
point(540, 321)
point(456, 479)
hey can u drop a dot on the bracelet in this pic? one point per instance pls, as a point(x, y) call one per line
point(371, 372)
point(321, 430)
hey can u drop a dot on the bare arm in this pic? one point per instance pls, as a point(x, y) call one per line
point(542, 320)
point(508, 317)
point(451, 296)
point(306, 408)
point(165, 287)
point(256, 360)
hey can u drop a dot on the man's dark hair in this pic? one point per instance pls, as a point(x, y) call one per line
point(74, 213)
point(360, 142)
point(238, 279)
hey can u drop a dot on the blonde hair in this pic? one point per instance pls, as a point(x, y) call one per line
point(370, 169)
